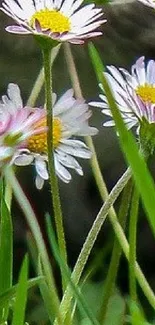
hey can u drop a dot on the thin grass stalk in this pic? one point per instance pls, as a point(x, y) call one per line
point(133, 243)
point(110, 281)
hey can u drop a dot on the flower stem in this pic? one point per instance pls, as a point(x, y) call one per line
point(51, 166)
point(132, 243)
point(78, 93)
point(35, 229)
point(8, 195)
point(91, 238)
point(109, 283)
point(40, 79)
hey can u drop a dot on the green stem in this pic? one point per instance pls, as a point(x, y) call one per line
point(109, 283)
point(91, 238)
point(8, 195)
point(72, 70)
point(40, 79)
point(103, 190)
point(132, 243)
point(51, 166)
point(35, 229)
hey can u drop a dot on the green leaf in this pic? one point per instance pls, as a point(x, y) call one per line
point(84, 307)
point(137, 316)
point(6, 256)
point(116, 311)
point(147, 137)
point(21, 295)
point(11, 293)
point(141, 174)
point(39, 270)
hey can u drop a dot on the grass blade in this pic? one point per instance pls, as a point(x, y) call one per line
point(78, 295)
point(11, 293)
point(6, 256)
point(21, 295)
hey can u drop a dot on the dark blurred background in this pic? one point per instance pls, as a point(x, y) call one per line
point(128, 34)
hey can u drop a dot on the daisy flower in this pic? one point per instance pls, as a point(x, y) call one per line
point(70, 119)
point(149, 3)
point(60, 20)
point(16, 125)
point(134, 93)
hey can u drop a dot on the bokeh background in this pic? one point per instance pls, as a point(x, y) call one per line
point(128, 34)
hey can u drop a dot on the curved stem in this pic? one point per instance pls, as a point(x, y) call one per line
point(35, 229)
point(132, 243)
point(91, 238)
point(51, 166)
point(109, 283)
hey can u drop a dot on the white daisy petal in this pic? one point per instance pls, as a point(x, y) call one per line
point(75, 148)
point(69, 161)
point(14, 95)
point(39, 181)
point(62, 172)
point(41, 168)
point(23, 160)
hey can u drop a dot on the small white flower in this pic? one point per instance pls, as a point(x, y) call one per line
point(17, 123)
point(149, 3)
point(57, 19)
point(134, 93)
point(70, 119)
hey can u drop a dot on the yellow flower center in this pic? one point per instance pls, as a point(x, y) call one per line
point(38, 143)
point(146, 93)
point(51, 19)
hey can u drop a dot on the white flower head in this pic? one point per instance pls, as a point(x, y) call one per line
point(134, 93)
point(149, 3)
point(17, 123)
point(70, 119)
point(60, 20)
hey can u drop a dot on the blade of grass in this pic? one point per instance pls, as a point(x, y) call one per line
point(21, 295)
point(128, 145)
point(11, 293)
point(39, 270)
point(6, 256)
point(78, 295)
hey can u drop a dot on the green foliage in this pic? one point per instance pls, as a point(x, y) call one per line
point(137, 317)
point(93, 293)
point(147, 137)
point(11, 293)
point(21, 295)
point(82, 302)
point(6, 257)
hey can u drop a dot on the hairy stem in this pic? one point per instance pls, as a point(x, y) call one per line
point(91, 238)
point(51, 165)
point(109, 283)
